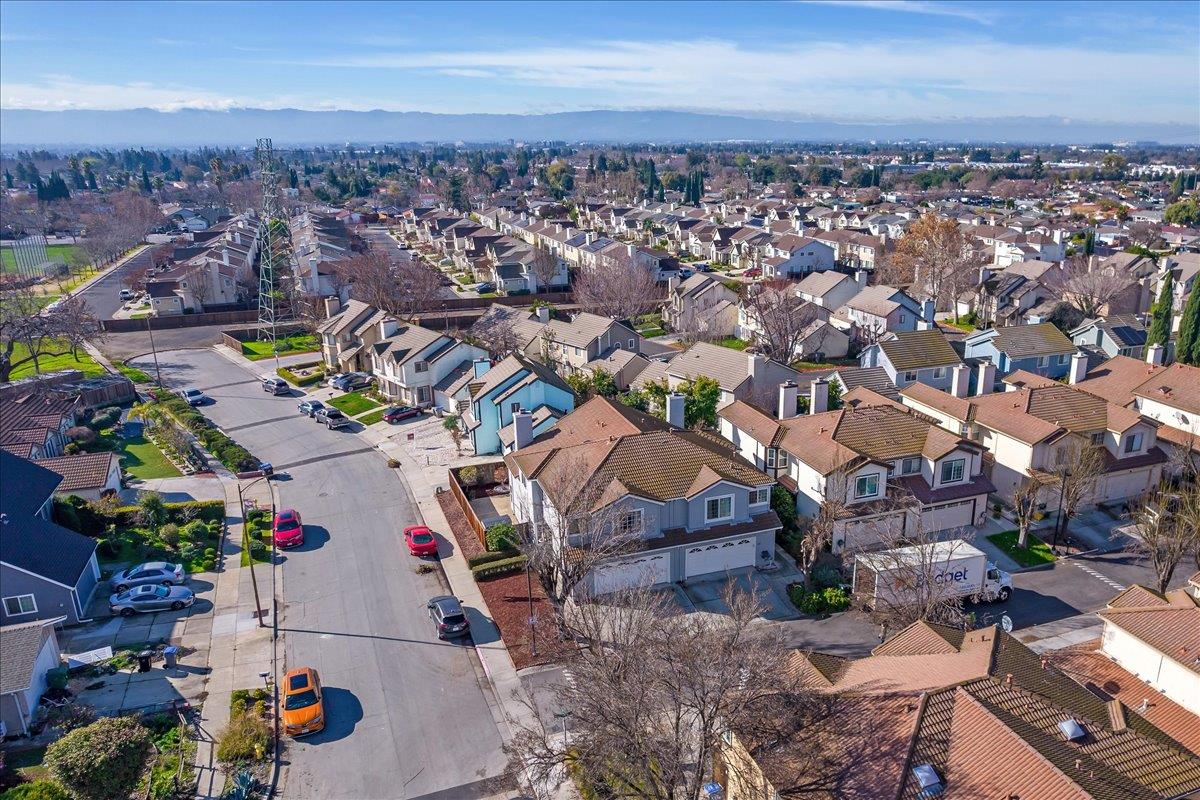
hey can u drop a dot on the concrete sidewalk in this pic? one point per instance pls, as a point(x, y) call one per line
point(239, 648)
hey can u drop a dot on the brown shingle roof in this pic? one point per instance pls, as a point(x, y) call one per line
point(1023, 341)
point(919, 350)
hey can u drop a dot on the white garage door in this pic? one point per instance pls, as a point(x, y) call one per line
point(948, 515)
point(1129, 484)
point(644, 570)
point(719, 556)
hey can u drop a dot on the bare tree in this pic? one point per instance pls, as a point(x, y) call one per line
point(619, 288)
point(818, 535)
point(1167, 530)
point(1087, 286)
point(29, 334)
point(402, 288)
point(496, 330)
point(937, 258)
point(544, 267)
point(1025, 506)
point(1182, 458)
point(779, 316)
point(651, 693)
point(1079, 467)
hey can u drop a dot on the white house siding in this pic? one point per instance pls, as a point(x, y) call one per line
point(1163, 674)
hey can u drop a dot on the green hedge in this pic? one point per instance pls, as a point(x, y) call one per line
point(820, 601)
point(228, 452)
point(296, 380)
point(91, 519)
point(488, 558)
point(501, 536)
point(504, 566)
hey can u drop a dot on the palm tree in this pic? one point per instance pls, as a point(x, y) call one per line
point(218, 171)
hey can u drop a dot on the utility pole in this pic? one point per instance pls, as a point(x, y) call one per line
point(154, 350)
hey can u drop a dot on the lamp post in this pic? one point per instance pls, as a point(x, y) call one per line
point(1058, 518)
point(258, 613)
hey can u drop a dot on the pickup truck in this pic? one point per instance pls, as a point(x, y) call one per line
point(331, 418)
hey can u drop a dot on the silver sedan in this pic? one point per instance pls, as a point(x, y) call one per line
point(142, 599)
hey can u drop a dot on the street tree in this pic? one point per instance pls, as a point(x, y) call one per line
point(1079, 467)
point(1087, 286)
point(1187, 350)
point(1026, 499)
point(29, 334)
point(779, 316)
point(619, 288)
point(1168, 530)
point(817, 535)
point(544, 267)
point(401, 288)
point(937, 258)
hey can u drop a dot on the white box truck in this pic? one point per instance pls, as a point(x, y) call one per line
point(963, 569)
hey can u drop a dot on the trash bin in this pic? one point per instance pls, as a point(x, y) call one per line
point(169, 657)
point(143, 659)
point(266, 468)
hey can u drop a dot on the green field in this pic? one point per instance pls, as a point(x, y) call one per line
point(68, 254)
point(1037, 554)
point(142, 459)
point(373, 417)
point(53, 363)
point(298, 343)
point(353, 404)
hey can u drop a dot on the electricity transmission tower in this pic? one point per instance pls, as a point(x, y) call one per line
point(274, 248)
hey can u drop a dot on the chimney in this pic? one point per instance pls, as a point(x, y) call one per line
point(631, 249)
point(589, 237)
point(1057, 235)
point(1078, 367)
point(522, 429)
point(481, 365)
point(672, 283)
point(237, 236)
point(987, 378)
point(332, 306)
point(543, 314)
point(928, 310)
point(675, 409)
point(960, 380)
point(1154, 354)
point(757, 364)
point(225, 256)
point(818, 396)
point(789, 393)
point(860, 277)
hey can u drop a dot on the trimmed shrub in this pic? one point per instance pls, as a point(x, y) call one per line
point(501, 536)
point(194, 531)
point(504, 566)
point(102, 760)
point(822, 601)
point(488, 558)
point(105, 417)
point(81, 434)
point(300, 380)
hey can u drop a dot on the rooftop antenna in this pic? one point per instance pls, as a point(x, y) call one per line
point(274, 248)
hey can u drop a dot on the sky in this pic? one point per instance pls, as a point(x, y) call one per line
point(824, 59)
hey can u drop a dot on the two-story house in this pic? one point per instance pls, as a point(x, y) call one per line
point(831, 289)
point(1116, 335)
point(490, 395)
point(1041, 349)
point(700, 305)
point(879, 310)
point(348, 333)
point(792, 256)
point(697, 508)
point(35, 425)
point(416, 366)
point(911, 356)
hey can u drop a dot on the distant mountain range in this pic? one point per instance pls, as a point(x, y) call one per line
point(189, 127)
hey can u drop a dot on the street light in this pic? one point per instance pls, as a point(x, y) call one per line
point(1058, 518)
point(258, 613)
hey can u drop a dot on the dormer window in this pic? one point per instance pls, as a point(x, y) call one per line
point(1133, 442)
point(866, 486)
point(953, 470)
point(910, 466)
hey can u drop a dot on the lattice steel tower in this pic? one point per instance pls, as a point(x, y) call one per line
point(274, 248)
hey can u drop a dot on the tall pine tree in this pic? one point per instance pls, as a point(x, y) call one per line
point(1188, 349)
point(1160, 315)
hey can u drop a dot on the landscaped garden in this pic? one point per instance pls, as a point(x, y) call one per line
point(143, 459)
point(373, 417)
point(246, 744)
point(302, 374)
point(290, 345)
point(256, 538)
point(1037, 554)
point(171, 407)
point(353, 403)
point(732, 342)
point(140, 457)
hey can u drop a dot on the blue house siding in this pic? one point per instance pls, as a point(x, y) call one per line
point(52, 600)
point(494, 416)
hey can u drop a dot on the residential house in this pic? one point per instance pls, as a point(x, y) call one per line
point(872, 458)
point(831, 290)
point(699, 509)
point(700, 305)
point(28, 650)
point(877, 311)
point(741, 375)
point(348, 333)
point(1116, 335)
point(46, 571)
point(1010, 295)
point(1185, 268)
point(936, 711)
point(911, 356)
point(495, 394)
point(35, 425)
point(570, 342)
point(1041, 349)
point(87, 475)
point(416, 366)
point(793, 256)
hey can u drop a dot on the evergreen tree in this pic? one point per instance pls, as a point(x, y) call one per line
point(1160, 315)
point(146, 187)
point(89, 176)
point(8, 179)
point(1188, 349)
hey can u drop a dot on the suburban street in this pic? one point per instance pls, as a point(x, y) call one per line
point(407, 716)
point(103, 296)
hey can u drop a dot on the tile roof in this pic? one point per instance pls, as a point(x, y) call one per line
point(919, 350)
point(1024, 341)
point(874, 378)
point(1177, 385)
point(19, 649)
point(1173, 630)
point(729, 368)
point(82, 471)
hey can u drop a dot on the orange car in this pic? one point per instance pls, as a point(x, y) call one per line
point(303, 710)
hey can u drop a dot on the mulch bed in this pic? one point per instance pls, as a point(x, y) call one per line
point(507, 599)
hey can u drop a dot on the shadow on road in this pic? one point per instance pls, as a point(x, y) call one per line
point(400, 639)
point(314, 537)
point(1028, 607)
point(343, 712)
point(483, 630)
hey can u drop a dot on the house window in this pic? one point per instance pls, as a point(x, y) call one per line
point(760, 496)
point(939, 372)
point(1133, 443)
point(867, 486)
point(910, 376)
point(1062, 359)
point(422, 366)
point(630, 522)
point(717, 509)
point(1042, 361)
point(952, 471)
point(1098, 438)
point(903, 319)
point(20, 604)
point(772, 454)
point(422, 395)
point(910, 466)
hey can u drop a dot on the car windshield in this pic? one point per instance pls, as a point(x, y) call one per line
point(300, 700)
point(334, 413)
point(422, 538)
point(289, 524)
point(192, 392)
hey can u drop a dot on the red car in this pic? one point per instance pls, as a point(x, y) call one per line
point(753, 272)
point(287, 528)
point(397, 413)
point(420, 541)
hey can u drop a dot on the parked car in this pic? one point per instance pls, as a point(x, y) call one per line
point(141, 599)
point(485, 287)
point(301, 706)
point(753, 272)
point(448, 616)
point(331, 418)
point(309, 408)
point(126, 294)
point(397, 413)
point(351, 381)
point(194, 397)
point(420, 541)
point(152, 572)
point(286, 529)
point(275, 385)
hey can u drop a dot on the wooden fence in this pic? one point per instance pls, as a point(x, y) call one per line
point(472, 519)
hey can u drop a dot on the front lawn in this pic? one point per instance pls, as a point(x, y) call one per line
point(82, 362)
point(133, 373)
point(142, 459)
point(297, 343)
point(353, 403)
point(732, 342)
point(1037, 554)
point(373, 417)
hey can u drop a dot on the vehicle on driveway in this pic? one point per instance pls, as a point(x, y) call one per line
point(397, 413)
point(483, 288)
point(193, 396)
point(287, 530)
point(142, 599)
point(301, 707)
point(126, 294)
point(420, 541)
point(276, 385)
point(448, 616)
point(331, 418)
point(309, 408)
point(159, 573)
point(351, 381)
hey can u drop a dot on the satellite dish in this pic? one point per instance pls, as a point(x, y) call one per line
point(1006, 623)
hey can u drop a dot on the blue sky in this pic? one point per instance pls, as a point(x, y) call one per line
point(876, 59)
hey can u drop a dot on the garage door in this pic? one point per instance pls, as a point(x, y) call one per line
point(627, 573)
point(948, 515)
point(719, 556)
point(1128, 484)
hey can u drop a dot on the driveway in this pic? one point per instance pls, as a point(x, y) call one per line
point(408, 716)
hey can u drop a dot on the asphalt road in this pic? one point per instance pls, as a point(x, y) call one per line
point(408, 716)
point(104, 296)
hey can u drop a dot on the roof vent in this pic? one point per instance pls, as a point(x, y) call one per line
point(928, 781)
point(1071, 730)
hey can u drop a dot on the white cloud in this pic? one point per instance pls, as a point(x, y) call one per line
point(59, 92)
point(937, 9)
